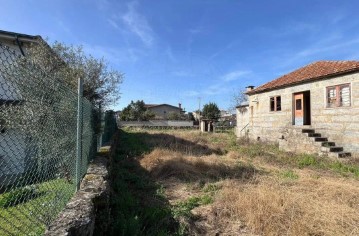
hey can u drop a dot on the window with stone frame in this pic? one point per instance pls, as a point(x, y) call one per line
point(338, 96)
point(275, 103)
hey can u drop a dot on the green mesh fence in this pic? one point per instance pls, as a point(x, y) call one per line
point(38, 145)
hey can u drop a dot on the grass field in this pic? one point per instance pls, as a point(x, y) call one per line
point(27, 210)
point(190, 183)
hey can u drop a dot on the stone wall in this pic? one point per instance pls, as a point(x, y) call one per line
point(339, 124)
point(295, 141)
point(87, 213)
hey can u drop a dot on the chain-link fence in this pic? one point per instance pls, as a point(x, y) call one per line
point(39, 145)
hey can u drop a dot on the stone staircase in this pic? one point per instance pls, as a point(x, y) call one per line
point(326, 147)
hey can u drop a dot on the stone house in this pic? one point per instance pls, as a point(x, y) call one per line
point(314, 109)
point(162, 110)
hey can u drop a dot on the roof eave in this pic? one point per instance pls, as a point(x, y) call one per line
point(21, 37)
point(303, 82)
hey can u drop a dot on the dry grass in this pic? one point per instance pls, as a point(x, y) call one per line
point(250, 196)
point(307, 207)
point(163, 164)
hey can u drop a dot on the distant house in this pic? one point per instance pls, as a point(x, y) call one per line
point(313, 109)
point(228, 117)
point(162, 110)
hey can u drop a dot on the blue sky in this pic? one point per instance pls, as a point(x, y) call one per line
point(179, 51)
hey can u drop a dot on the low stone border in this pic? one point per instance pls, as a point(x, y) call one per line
point(89, 206)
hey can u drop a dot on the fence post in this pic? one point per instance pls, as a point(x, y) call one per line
point(79, 133)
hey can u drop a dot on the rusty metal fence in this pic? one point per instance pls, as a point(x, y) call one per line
point(47, 138)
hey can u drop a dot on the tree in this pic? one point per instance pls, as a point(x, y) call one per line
point(68, 63)
point(173, 116)
point(136, 111)
point(148, 115)
point(190, 116)
point(211, 111)
point(110, 126)
point(238, 97)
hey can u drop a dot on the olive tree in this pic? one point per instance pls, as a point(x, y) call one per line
point(68, 63)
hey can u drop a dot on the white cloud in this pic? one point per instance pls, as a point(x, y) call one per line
point(330, 47)
point(138, 24)
point(227, 47)
point(114, 55)
point(320, 49)
point(113, 23)
point(235, 75)
point(214, 89)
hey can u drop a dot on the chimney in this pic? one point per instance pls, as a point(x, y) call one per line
point(179, 105)
point(249, 88)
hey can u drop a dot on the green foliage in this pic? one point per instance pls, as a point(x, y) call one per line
point(136, 111)
point(149, 115)
point(138, 205)
point(18, 195)
point(344, 168)
point(183, 209)
point(35, 201)
point(211, 111)
point(289, 174)
point(253, 150)
point(190, 116)
point(101, 83)
point(173, 116)
point(306, 160)
point(110, 126)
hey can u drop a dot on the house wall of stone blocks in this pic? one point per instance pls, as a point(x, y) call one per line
point(338, 124)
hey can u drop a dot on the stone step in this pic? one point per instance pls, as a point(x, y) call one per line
point(308, 131)
point(339, 154)
point(331, 149)
point(328, 144)
point(314, 134)
point(320, 139)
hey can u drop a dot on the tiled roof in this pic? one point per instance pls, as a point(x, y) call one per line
point(313, 71)
point(151, 105)
point(157, 105)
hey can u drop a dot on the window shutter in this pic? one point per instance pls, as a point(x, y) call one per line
point(345, 96)
point(332, 96)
